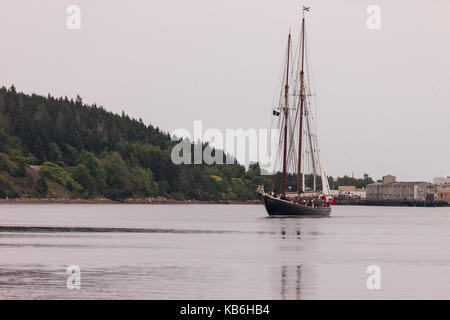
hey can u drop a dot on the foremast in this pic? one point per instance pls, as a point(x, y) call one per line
point(286, 112)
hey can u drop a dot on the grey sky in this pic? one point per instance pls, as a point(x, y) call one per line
point(383, 96)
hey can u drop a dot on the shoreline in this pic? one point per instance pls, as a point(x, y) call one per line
point(158, 200)
point(161, 200)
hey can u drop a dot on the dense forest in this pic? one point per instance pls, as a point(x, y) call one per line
point(60, 147)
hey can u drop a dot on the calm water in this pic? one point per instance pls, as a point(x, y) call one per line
point(221, 252)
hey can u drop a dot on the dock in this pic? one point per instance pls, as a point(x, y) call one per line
point(393, 203)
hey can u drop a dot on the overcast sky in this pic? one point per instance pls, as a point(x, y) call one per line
point(383, 95)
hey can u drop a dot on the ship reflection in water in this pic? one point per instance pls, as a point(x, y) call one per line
point(290, 277)
point(221, 252)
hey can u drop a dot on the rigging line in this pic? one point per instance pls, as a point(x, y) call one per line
point(310, 87)
point(314, 140)
point(312, 84)
point(274, 124)
point(279, 122)
point(291, 145)
point(293, 132)
point(293, 69)
point(311, 145)
point(294, 137)
point(277, 159)
point(279, 86)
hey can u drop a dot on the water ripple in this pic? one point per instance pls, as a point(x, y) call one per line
point(39, 229)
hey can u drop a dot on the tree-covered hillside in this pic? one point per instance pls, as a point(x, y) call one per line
point(57, 147)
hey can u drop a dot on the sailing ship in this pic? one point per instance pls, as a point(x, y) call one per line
point(298, 147)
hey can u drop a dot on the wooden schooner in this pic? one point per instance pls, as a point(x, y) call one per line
point(298, 145)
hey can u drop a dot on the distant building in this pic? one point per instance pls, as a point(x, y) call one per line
point(388, 179)
point(443, 194)
point(346, 188)
point(353, 191)
point(390, 189)
point(442, 182)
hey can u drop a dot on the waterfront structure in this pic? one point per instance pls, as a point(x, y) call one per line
point(442, 182)
point(390, 189)
point(443, 194)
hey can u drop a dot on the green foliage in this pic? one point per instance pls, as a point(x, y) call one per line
point(5, 163)
point(118, 178)
point(81, 175)
point(56, 173)
point(3, 140)
point(20, 170)
point(70, 154)
point(54, 153)
point(144, 184)
point(6, 189)
point(41, 187)
point(349, 181)
point(90, 162)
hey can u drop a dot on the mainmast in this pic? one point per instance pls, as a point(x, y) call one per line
point(286, 109)
point(302, 98)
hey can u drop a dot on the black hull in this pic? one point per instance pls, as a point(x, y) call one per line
point(278, 207)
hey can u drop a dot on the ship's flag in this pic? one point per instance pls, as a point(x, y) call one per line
point(276, 113)
point(306, 8)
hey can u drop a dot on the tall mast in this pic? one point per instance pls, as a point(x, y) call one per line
point(302, 98)
point(286, 105)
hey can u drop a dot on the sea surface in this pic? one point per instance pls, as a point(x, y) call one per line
point(222, 252)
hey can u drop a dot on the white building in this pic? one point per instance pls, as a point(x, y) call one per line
point(442, 182)
point(390, 189)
